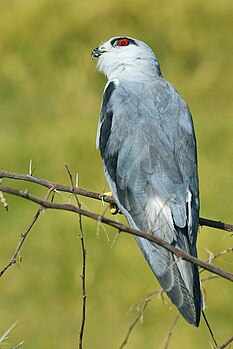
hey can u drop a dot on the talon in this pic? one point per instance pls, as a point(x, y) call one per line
point(108, 193)
point(112, 207)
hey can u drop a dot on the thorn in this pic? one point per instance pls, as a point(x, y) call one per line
point(115, 238)
point(31, 170)
point(3, 200)
point(25, 192)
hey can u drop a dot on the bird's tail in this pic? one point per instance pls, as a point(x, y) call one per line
point(179, 278)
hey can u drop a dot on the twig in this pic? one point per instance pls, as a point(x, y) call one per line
point(224, 345)
point(97, 196)
point(83, 276)
point(171, 331)
point(121, 227)
point(210, 277)
point(143, 303)
point(214, 256)
point(141, 309)
point(13, 259)
point(134, 323)
point(148, 297)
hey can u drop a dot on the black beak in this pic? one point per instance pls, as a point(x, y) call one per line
point(96, 52)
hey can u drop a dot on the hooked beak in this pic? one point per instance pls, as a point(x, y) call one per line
point(97, 52)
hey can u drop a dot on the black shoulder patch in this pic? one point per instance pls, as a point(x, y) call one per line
point(106, 97)
point(106, 117)
point(105, 130)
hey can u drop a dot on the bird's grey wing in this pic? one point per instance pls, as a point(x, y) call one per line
point(149, 157)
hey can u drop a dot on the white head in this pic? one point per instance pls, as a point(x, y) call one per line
point(126, 57)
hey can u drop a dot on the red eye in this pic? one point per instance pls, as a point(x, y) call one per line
point(123, 42)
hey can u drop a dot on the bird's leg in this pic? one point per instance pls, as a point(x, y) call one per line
point(112, 207)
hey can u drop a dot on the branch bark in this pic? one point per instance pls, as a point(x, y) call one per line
point(68, 207)
point(96, 196)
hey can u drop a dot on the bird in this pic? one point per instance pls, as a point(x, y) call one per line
point(148, 147)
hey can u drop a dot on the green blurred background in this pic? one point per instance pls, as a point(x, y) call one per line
point(50, 95)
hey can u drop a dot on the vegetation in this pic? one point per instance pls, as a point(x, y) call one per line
point(50, 95)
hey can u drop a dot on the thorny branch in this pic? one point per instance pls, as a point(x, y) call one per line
point(141, 306)
point(134, 323)
point(83, 275)
point(101, 219)
point(141, 309)
point(23, 236)
point(121, 227)
point(214, 256)
point(94, 195)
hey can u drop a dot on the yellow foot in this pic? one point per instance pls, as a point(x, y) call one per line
point(112, 207)
point(108, 193)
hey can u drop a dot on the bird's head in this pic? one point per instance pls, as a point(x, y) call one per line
point(125, 56)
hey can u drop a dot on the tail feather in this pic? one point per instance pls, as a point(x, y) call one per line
point(166, 269)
